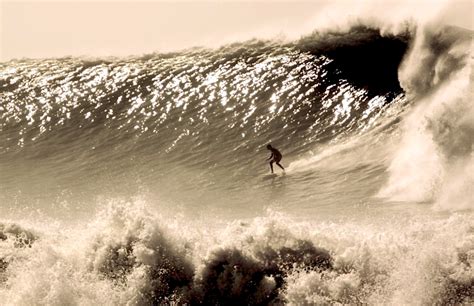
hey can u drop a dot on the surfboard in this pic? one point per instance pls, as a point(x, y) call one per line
point(269, 176)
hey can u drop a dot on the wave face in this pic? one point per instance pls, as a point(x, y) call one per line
point(202, 111)
point(144, 181)
point(249, 90)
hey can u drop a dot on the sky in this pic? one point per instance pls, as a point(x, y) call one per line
point(45, 29)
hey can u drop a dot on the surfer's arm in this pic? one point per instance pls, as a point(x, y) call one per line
point(271, 156)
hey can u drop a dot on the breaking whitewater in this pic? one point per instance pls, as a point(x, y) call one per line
point(143, 180)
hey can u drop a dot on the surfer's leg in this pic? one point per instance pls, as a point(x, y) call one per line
point(271, 166)
point(280, 166)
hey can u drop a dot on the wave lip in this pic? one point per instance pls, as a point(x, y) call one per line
point(362, 55)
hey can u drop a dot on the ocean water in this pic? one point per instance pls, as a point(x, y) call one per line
point(144, 180)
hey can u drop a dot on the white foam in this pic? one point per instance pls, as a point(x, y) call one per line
point(434, 159)
point(417, 257)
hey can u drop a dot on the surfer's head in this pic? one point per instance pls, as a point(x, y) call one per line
point(269, 147)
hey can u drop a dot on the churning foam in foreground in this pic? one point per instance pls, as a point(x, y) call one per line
point(129, 255)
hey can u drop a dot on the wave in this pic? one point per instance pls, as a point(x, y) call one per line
point(220, 107)
point(76, 128)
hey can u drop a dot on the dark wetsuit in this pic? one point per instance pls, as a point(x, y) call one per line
point(276, 155)
point(275, 158)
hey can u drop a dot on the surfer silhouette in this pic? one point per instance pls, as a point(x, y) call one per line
point(275, 157)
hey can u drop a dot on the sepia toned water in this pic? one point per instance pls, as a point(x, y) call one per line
point(144, 180)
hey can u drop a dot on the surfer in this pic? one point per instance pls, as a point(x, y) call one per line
point(275, 157)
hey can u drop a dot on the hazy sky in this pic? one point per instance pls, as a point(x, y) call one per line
point(37, 29)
